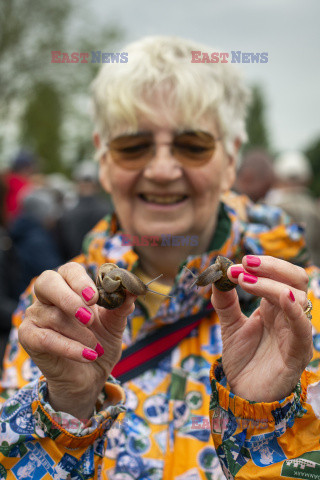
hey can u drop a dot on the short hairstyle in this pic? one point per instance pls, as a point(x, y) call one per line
point(162, 64)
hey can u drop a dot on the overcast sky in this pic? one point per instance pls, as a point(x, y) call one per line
point(287, 29)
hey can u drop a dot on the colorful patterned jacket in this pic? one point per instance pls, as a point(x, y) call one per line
point(158, 425)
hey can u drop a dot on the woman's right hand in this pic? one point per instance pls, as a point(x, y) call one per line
point(61, 331)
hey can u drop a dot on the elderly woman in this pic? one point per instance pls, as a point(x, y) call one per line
point(167, 136)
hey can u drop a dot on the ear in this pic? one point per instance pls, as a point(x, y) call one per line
point(229, 175)
point(104, 176)
point(96, 140)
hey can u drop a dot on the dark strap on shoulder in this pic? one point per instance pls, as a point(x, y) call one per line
point(146, 353)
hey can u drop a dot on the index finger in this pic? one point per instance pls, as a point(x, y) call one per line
point(79, 281)
point(51, 288)
point(277, 269)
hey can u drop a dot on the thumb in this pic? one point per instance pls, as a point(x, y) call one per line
point(116, 320)
point(226, 304)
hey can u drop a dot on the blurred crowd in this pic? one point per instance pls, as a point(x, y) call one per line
point(283, 182)
point(43, 222)
point(44, 218)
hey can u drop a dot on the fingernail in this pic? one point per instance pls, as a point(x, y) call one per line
point(235, 271)
point(88, 293)
point(99, 349)
point(89, 354)
point(253, 261)
point(83, 315)
point(291, 296)
point(249, 278)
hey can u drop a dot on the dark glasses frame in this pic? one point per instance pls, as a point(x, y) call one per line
point(192, 148)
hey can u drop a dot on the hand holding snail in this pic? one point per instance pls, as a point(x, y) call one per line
point(74, 342)
point(112, 282)
point(265, 354)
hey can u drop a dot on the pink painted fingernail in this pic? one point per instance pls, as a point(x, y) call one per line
point(99, 349)
point(88, 293)
point(249, 278)
point(235, 271)
point(253, 261)
point(89, 354)
point(83, 315)
point(291, 296)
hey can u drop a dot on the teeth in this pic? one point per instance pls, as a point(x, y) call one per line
point(163, 200)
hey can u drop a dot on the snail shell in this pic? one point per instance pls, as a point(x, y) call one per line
point(112, 283)
point(107, 298)
point(224, 284)
point(217, 274)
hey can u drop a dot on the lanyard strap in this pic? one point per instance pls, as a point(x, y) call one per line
point(146, 353)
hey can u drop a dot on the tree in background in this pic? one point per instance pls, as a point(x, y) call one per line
point(27, 35)
point(313, 154)
point(258, 135)
point(30, 83)
point(41, 127)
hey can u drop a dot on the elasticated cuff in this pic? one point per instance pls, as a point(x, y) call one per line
point(67, 430)
point(224, 403)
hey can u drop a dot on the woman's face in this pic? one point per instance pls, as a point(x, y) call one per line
point(165, 197)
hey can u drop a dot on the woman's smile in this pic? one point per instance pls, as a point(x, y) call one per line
point(163, 201)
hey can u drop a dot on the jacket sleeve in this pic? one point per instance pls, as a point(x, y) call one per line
point(271, 440)
point(35, 438)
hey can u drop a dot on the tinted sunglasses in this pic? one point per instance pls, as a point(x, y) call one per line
point(191, 148)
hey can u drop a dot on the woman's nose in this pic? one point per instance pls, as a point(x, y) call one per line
point(163, 165)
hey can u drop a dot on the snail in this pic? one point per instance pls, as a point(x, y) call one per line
point(112, 283)
point(217, 274)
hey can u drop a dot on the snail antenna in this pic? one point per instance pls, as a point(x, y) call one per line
point(154, 280)
point(152, 291)
point(194, 276)
point(158, 293)
point(193, 284)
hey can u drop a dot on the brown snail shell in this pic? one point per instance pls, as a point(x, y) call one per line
point(217, 274)
point(112, 283)
point(224, 284)
point(111, 300)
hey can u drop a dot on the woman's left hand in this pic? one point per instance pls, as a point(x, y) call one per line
point(264, 355)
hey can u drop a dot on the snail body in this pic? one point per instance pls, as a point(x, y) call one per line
point(217, 274)
point(112, 283)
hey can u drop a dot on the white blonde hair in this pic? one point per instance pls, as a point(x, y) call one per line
point(122, 92)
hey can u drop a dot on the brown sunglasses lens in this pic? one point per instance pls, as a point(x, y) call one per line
point(194, 147)
point(134, 151)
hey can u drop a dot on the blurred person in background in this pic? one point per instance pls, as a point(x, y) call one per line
point(63, 189)
point(91, 206)
point(293, 174)
point(32, 235)
point(255, 175)
point(254, 178)
point(18, 181)
point(9, 277)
